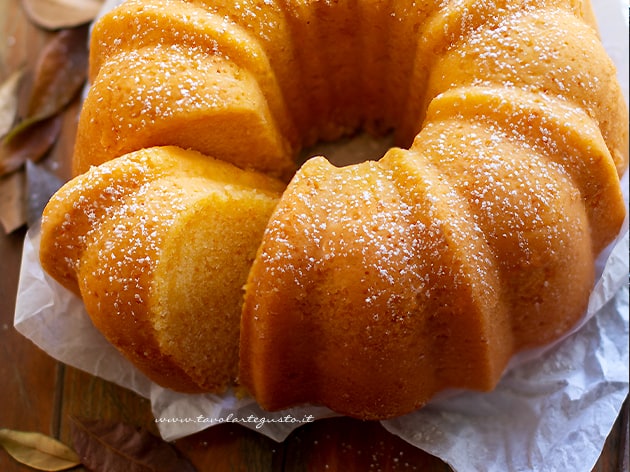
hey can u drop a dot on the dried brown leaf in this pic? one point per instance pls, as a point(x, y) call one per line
point(37, 450)
point(105, 446)
point(57, 14)
point(40, 186)
point(9, 101)
point(12, 196)
point(23, 196)
point(28, 143)
point(60, 73)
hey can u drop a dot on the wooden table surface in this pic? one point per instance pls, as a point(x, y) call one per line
point(39, 394)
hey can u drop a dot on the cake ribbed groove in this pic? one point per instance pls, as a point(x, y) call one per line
point(266, 22)
point(193, 26)
point(503, 55)
point(558, 131)
point(526, 204)
point(452, 23)
point(439, 205)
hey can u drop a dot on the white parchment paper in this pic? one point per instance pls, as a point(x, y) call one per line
point(552, 410)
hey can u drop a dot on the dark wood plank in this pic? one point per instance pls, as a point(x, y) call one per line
point(353, 445)
point(614, 456)
point(93, 398)
point(231, 447)
point(27, 375)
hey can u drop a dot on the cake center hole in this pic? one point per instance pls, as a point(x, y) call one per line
point(352, 150)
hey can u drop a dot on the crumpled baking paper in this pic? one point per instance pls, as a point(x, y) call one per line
point(552, 410)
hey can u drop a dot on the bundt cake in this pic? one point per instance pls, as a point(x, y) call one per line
point(367, 288)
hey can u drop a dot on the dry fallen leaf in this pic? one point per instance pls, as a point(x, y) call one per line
point(40, 186)
point(105, 446)
point(12, 210)
point(23, 196)
point(60, 73)
point(29, 143)
point(38, 451)
point(9, 101)
point(57, 14)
